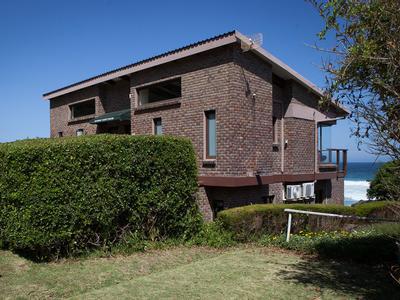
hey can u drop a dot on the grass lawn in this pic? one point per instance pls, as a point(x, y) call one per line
point(180, 273)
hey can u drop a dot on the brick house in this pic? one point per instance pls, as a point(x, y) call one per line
point(255, 123)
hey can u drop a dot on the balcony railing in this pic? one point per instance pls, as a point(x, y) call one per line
point(332, 160)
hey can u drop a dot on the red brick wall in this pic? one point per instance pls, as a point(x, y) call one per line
point(108, 98)
point(300, 149)
point(337, 195)
point(238, 88)
point(60, 113)
point(251, 108)
point(115, 96)
point(276, 189)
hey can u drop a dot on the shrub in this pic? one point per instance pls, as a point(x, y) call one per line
point(66, 194)
point(386, 184)
point(378, 209)
point(255, 220)
point(213, 235)
point(371, 244)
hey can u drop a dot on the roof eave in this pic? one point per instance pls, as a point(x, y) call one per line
point(290, 73)
point(226, 39)
point(218, 41)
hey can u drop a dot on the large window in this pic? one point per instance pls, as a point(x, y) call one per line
point(83, 109)
point(157, 123)
point(161, 91)
point(211, 134)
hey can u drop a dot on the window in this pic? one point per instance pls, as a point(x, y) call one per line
point(324, 137)
point(60, 134)
point(83, 109)
point(161, 91)
point(274, 130)
point(157, 125)
point(79, 132)
point(211, 134)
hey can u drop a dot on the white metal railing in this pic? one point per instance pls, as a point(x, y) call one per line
point(291, 211)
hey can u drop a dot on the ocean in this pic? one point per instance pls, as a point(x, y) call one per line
point(356, 182)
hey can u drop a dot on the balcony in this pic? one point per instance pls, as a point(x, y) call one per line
point(332, 160)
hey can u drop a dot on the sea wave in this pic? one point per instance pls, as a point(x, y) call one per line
point(356, 190)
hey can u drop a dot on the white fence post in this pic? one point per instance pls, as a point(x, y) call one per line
point(289, 225)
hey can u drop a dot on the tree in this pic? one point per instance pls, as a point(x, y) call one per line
point(363, 71)
point(385, 185)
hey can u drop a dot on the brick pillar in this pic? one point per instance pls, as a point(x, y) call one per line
point(337, 194)
point(204, 204)
point(276, 189)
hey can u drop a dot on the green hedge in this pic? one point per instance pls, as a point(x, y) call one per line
point(368, 244)
point(255, 220)
point(67, 194)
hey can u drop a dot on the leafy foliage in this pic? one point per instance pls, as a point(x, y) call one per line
point(364, 67)
point(252, 221)
point(385, 185)
point(65, 195)
point(371, 244)
point(213, 234)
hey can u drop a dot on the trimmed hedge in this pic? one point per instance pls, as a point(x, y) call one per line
point(255, 220)
point(67, 194)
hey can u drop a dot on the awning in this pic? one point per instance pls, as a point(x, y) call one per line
point(122, 115)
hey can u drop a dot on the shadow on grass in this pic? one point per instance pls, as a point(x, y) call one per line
point(362, 281)
point(357, 266)
point(369, 249)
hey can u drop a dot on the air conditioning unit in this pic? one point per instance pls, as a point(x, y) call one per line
point(308, 190)
point(293, 192)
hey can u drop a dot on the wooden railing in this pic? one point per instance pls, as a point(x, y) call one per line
point(333, 159)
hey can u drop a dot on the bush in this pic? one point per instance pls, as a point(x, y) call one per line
point(213, 235)
point(386, 184)
point(252, 221)
point(371, 244)
point(66, 194)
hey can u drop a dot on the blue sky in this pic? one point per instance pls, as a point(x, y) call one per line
point(49, 44)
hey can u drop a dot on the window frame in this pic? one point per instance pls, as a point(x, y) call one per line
point(72, 105)
point(206, 135)
point(138, 89)
point(155, 120)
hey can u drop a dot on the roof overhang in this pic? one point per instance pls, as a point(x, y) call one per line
point(283, 70)
point(279, 67)
point(190, 50)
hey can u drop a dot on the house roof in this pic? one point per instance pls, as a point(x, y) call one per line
point(279, 67)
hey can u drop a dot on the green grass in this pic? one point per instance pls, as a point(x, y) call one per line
point(245, 272)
